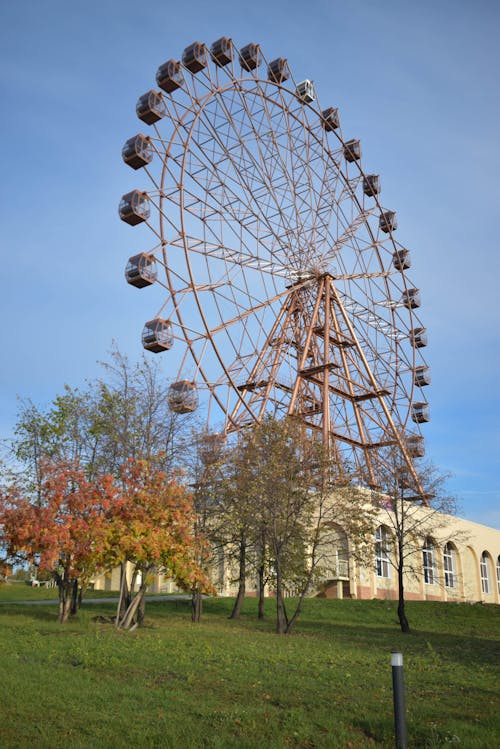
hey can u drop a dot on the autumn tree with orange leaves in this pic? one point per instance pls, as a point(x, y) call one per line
point(151, 529)
point(62, 531)
point(78, 527)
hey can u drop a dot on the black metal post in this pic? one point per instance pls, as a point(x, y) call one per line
point(398, 690)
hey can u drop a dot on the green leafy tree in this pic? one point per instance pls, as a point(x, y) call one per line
point(411, 515)
point(204, 464)
point(132, 417)
point(288, 501)
point(122, 415)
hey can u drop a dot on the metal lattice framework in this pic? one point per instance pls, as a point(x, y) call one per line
point(285, 289)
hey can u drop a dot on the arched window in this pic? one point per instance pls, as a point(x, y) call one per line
point(498, 573)
point(449, 566)
point(429, 562)
point(382, 550)
point(484, 568)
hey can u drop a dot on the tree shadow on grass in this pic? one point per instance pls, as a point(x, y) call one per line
point(29, 613)
point(49, 612)
point(461, 648)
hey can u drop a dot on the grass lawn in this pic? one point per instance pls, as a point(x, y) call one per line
point(239, 685)
point(19, 591)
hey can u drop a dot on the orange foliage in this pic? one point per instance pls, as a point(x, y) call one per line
point(62, 531)
point(80, 527)
point(152, 526)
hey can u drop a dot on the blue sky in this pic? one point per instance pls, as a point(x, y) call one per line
point(416, 82)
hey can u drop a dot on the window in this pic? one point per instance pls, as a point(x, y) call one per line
point(450, 576)
point(429, 562)
point(484, 568)
point(382, 549)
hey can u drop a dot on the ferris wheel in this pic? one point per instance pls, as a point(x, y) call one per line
point(285, 290)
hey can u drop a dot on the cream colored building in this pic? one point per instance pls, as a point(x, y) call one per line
point(450, 559)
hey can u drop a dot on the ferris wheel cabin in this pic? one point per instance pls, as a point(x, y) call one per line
point(250, 56)
point(330, 119)
point(278, 70)
point(194, 57)
point(157, 335)
point(150, 107)
point(134, 207)
point(305, 91)
point(222, 51)
point(401, 259)
point(371, 185)
point(210, 447)
point(137, 151)
point(169, 76)
point(419, 337)
point(422, 376)
point(420, 413)
point(182, 397)
point(352, 150)
point(141, 270)
point(411, 298)
point(416, 446)
point(388, 222)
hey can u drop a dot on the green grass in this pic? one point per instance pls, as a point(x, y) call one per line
point(226, 684)
point(20, 591)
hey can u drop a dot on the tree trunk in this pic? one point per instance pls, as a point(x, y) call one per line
point(123, 601)
point(196, 605)
point(261, 570)
point(65, 589)
point(235, 613)
point(261, 583)
point(74, 598)
point(281, 617)
point(130, 619)
point(403, 621)
point(141, 611)
point(298, 608)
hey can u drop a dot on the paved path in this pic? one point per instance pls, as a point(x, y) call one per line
point(94, 600)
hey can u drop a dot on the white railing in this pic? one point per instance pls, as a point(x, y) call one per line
point(340, 568)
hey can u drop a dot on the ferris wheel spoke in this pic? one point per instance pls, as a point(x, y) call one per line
point(239, 147)
point(317, 190)
point(289, 194)
point(221, 205)
point(263, 175)
point(348, 234)
point(228, 255)
point(248, 313)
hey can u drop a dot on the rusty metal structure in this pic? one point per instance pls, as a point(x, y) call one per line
point(285, 288)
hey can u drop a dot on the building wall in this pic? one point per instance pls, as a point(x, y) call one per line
point(470, 541)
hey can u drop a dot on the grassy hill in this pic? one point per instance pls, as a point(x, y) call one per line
point(226, 684)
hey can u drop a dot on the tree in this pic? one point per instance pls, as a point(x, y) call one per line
point(207, 459)
point(291, 499)
point(5, 570)
point(122, 415)
point(239, 510)
point(410, 515)
point(32, 444)
point(150, 530)
point(61, 531)
point(133, 418)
